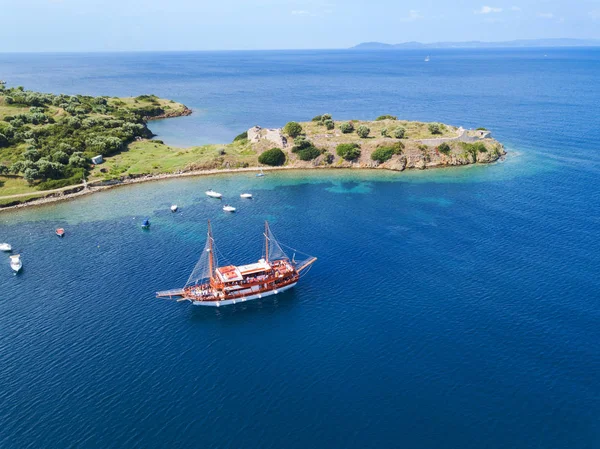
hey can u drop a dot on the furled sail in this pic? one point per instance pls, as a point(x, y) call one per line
point(202, 270)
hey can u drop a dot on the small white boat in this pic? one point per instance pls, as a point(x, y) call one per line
point(174, 208)
point(5, 247)
point(228, 208)
point(15, 263)
point(213, 194)
point(261, 174)
point(427, 59)
point(246, 195)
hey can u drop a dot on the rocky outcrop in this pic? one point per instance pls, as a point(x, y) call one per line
point(170, 114)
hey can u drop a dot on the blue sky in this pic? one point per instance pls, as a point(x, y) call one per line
point(109, 25)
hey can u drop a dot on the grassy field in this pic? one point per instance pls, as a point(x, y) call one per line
point(14, 185)
point(414, 130)
point(154, 157)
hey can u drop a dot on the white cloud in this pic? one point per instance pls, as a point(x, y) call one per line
point(546, 15)
point(515, 8)
point(413, 15)
point(488, 10)
point(300, 12)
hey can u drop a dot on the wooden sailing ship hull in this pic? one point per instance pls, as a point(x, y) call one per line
point(212, 285)
point(238, 300)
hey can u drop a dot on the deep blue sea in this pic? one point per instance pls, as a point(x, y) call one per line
point(456, 308)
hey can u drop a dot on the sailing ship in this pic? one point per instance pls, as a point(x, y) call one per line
point(212, 285)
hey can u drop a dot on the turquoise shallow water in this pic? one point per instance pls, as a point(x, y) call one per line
point(455, 308)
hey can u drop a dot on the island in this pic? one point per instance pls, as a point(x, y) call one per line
point(54, 147)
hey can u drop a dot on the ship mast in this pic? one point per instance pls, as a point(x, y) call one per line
point(267, 241)
point(210, 252)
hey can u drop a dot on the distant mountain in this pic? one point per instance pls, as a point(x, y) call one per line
point(519, 43)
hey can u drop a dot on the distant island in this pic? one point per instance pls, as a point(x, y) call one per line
point(55, 146)
point(519, 43)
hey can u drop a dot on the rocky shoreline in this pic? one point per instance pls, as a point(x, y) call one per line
point(73, 192)
point(170, 114)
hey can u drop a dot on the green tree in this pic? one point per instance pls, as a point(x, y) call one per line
point(329, 124)
point(348, 151)
point(434, 128)
point(3, 141)
point(77, 160)
point(317, 118)
point(30, 175)
point(3, 169)
point(32, 154)
point(386, 117)
point(347, 127)
point(399, 133)
point(363, 131)
point(292, 129)
point(273, 157)
point(385, 132)
point(61, 157)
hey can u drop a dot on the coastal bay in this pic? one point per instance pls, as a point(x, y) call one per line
point(447, 305)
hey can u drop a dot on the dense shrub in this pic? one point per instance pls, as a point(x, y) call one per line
point(382, 154)
point(329, 124)
point(434, 128)
point(317, 118)
point(292, 129)
point(386, 117)
point(347, 127)
point(241, 136)
point(273, 157)
point(3, 141)
point(444, 148)
point(326, 117)
point(399, 133)
point(481, 128)
point(384, 132)
point(385, 151)
point(363, 131)
point(300, 144)
point(308, 154)
point(75, 176)
point(328, 157)
point(477, 147)
point(348, 151)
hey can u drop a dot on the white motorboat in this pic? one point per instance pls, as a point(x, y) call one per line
point(15, 263)
point(174, 208)
point(427, 59)
point(246, 195)
point(261, 174)
point(5, 247)
point(228, 208)
point(213, 194)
